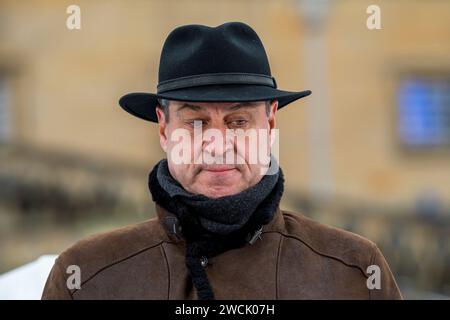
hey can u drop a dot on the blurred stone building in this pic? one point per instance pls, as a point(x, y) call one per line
point(374, 137)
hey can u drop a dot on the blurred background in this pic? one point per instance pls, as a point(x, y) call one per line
point(368, 151)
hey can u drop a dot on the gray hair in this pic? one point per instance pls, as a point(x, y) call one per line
point(164, 105)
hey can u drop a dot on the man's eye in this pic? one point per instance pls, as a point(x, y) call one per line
point(237, 123)
point(196, 123)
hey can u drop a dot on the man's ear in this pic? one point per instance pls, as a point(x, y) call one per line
point(162, 125)
point(273, 111)
point(272, 122)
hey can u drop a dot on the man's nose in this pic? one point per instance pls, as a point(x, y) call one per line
point(218, 142)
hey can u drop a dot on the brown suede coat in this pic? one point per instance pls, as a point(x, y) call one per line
point(296, 258)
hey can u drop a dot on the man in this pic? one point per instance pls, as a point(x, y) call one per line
point(219, 231)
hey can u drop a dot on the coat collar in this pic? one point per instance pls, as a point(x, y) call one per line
point(173, 230)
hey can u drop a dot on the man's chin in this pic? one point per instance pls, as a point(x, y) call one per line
point(220, 184)
point(222, 177)
point(220, 192)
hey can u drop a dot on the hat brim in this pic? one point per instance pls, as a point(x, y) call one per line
point(143, 105)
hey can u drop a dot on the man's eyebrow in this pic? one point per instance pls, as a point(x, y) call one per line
point(234, 107)
point(243, 105)
point(189, 106)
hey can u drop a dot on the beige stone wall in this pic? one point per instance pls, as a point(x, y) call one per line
point(364, 69)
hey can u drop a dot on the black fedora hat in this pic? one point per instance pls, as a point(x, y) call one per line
point(226, 63)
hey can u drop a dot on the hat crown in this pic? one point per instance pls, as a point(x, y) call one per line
point(233, 47)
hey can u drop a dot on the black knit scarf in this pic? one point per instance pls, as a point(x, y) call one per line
point(207, 236)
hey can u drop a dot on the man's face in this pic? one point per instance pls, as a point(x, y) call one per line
point(209, 170)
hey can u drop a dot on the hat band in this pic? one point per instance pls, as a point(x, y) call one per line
point(216, 78)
